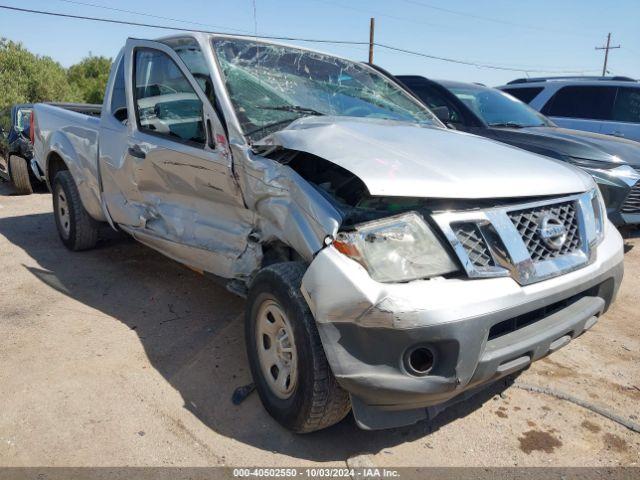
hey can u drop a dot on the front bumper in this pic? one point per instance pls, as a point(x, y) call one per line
point(479, 330)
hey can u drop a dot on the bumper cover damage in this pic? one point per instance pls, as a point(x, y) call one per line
point(478, 330)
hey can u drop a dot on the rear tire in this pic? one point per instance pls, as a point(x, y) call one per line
point(77, 230)
point(19, 172)
point(309, 398)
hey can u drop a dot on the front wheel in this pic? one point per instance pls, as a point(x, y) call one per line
point(288, 364)
point(77, 230)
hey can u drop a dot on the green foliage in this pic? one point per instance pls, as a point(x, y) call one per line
point(25, 77)
point(29, 78)
point(89, 78)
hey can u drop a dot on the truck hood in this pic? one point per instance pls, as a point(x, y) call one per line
point(572, 143)
point(407, 160)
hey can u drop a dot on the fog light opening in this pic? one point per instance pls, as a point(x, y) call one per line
point(420, 360)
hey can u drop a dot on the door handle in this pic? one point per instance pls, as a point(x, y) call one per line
point(617, 133)
point(136, 151)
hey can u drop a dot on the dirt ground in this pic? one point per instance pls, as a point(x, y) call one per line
point(119, 356)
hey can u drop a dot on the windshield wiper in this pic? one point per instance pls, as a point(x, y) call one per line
point(507, 125)
point(286, 121)
point(291, 108)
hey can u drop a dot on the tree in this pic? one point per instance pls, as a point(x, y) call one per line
point(89, 78)
point(29, 78)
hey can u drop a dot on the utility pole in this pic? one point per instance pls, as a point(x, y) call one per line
point(606, 53)
point(255, 18)
point(372, 28)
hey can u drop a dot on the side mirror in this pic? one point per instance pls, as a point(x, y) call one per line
point(442, 113)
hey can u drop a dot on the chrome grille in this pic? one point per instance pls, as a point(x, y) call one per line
point(471, 239)
point(509, 236)
point(632, 203)
point(526, 222)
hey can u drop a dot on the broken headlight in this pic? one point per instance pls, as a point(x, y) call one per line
point(396, 249)
point(599, 213)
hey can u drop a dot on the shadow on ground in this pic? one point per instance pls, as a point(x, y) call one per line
point(192, 332)
point(8, 190)
point(629, 233)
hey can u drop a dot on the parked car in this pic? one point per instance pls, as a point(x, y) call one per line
point(613, 162)
point(390, 265)
point(15, 148)
point(16, 144)
point(607, 105)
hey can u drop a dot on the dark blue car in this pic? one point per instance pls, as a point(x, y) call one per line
point(16, 149)
point(613, 162)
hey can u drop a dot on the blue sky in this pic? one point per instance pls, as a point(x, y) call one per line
point(534, 35)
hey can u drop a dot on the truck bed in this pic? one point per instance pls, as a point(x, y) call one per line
point(91, 109)
point(73, 136)
point(73, 132)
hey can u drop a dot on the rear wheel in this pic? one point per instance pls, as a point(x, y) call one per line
point(287, 360)
point(19, 171)
point(77, 230)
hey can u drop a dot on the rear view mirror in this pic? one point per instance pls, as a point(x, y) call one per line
point(442, 113)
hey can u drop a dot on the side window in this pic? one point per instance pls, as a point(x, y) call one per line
point(434, 99)
point(191, 54)
point(118, 96)
point(590, 102)
point(166, 104)
point(22, 119)
point(627, 105)
point(523, 94)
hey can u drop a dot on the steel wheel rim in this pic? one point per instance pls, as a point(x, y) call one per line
point(276, 347)
point(62, 211)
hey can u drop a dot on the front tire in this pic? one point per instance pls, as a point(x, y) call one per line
point(19, 172)
point(287, 360)
point(77, 230)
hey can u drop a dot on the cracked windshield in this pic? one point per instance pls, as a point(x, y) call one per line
point(271, 86)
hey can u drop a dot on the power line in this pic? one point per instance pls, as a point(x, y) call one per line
point(179, 29)
point(288, 38)
point(490, 19)
point(378, 13)
point(368, 10)
point(104, 7)
point(476, 64)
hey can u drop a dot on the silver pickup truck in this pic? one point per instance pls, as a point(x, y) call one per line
point(391, 266)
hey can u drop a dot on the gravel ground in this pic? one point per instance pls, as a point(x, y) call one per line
point(119, 356)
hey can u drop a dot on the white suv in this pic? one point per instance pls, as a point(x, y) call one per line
point(609, 105)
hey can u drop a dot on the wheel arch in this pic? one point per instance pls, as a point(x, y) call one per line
point(62, 156)
point(55, 164)
point(277, 251)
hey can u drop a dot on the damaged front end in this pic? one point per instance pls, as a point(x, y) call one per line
point(419, 280)
point(407, 325)
point(301, 197)
point(308, 200)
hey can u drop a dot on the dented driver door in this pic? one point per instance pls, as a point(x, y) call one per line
point(170, 183)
